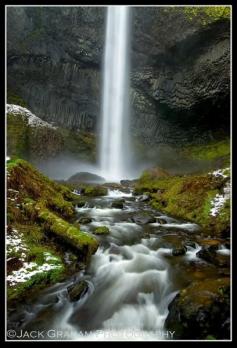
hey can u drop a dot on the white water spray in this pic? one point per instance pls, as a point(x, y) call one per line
point(114, 147)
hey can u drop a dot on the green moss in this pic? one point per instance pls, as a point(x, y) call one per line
point(94, 191)
point(38, 207)
point(210, 152)
point(188, 197)
point(207, 14)
point(81, 241)
point(102, 230)
point(81, 144)
point(13, 98)
point(17, 135)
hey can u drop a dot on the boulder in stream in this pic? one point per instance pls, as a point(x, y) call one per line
point(201, 310)
point(143, 218)
point(118, 203)
point(102, 230)
point(77, 290)
point(179, 251)
point(85, 220)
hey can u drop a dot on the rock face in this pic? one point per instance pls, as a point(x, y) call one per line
point(179, 70)
point(33, 139)
point(180, 76)
point(54, 57)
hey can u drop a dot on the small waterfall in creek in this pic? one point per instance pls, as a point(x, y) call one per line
point(114, 146)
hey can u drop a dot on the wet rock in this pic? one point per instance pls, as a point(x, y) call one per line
point(125, 182)
point(143, 218)
point(81, 204)
point(102, 230)
point(201, 309)
point(118, 204)
point(179, 251)
point(209, 254)
point(114, 249)
point(190, 244)
point(161, 221)
point(144, 198)
point(14, 264)
point(76, 291)
point(85, 220)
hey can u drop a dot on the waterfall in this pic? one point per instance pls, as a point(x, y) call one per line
point(114, 145)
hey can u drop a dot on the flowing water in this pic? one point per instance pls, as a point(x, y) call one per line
point(114, 148)
point(131, 279)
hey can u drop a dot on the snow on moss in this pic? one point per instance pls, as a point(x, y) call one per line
point(221, 172)
point(29, 270)
point(32, 119)
point(15, 244)
point(219, 200)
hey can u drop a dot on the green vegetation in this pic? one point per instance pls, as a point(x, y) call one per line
point(188, 197)
point(17, 132)
point(13, 98)
point(79, 143)
point(42, 142)
point(207, 14)
point(84, 244)
point(40, 214)
point(95, 190)
point(101, 230)
point(210, 152)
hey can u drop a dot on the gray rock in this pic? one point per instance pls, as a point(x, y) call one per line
point(86, 177)
point(143, 218)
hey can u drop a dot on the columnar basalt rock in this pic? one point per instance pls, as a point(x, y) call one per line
point(179, 71)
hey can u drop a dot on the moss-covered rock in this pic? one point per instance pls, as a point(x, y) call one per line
point(201, 309)
point(101, 230)
point(83, 243)
point(43, 140)
point(191, 197)
point(39, 209)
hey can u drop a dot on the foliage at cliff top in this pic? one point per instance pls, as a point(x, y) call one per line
point(208, 14)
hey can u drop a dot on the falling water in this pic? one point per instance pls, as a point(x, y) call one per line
point(114, 148)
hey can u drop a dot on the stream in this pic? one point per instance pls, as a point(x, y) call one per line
point(131, 279)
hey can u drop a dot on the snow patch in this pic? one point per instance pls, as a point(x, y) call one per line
point(219, 200)
point(32, 119)
point(15, 244)
point(28, 270)
point(220, 172)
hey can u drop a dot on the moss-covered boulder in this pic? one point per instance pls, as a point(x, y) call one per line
point(200, 310)
point(102, 230)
